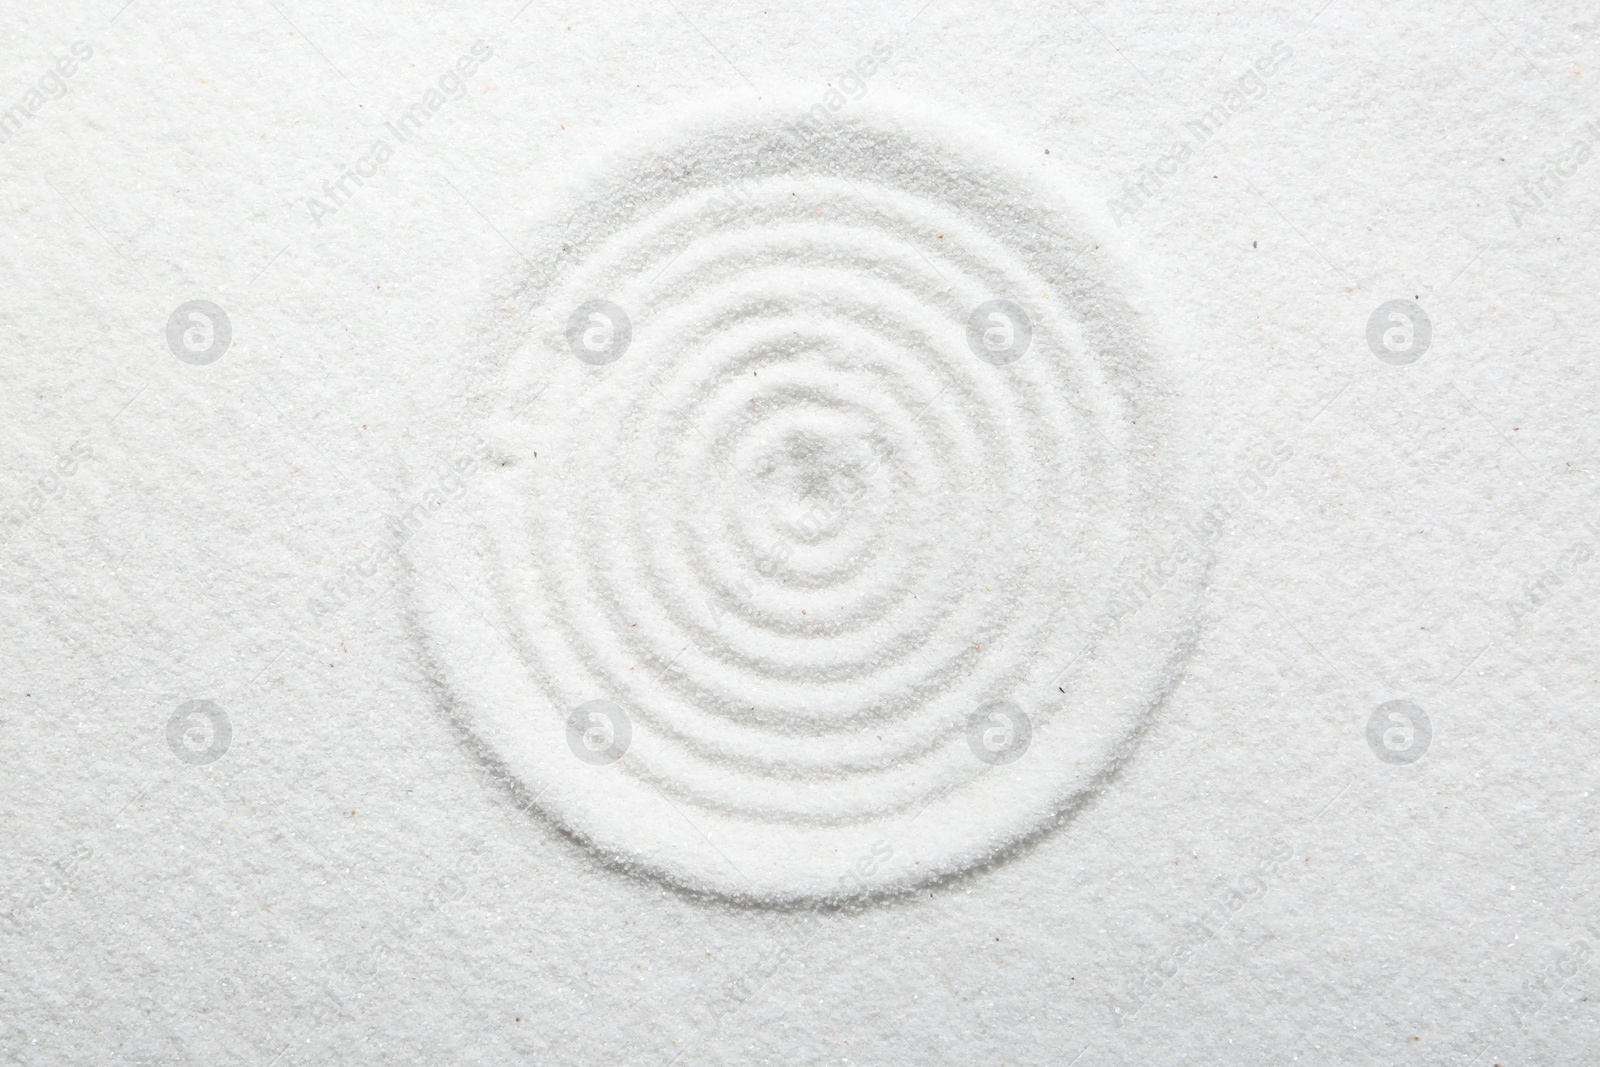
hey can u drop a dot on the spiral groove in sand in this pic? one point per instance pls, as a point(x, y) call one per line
point(805, 525)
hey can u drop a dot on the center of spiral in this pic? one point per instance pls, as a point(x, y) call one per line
point(815, 480)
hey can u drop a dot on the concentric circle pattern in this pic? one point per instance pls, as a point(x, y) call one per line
point(882, 444)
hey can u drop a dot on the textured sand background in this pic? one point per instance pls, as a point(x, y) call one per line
point(313, 863)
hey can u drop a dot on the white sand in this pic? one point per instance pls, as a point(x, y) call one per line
point(394, 676)
point(796, 531)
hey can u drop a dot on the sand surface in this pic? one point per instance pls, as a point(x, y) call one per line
point(714, 534)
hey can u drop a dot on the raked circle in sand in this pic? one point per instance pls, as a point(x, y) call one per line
point(831, 542)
